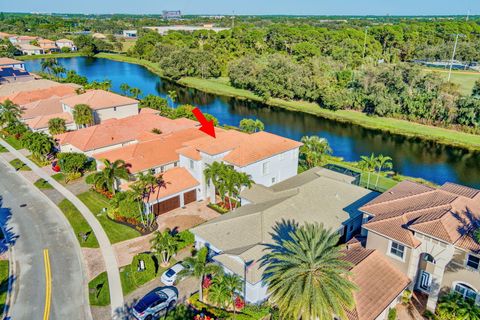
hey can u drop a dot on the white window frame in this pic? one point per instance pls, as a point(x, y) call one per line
point(470, 267)
point(390, 254)
point(467, 287)
point(265, 168)
point(192, 164)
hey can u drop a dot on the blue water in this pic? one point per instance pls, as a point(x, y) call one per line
point(416, 158)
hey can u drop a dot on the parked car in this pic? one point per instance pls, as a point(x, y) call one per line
point(155, 302)
point(169, 276)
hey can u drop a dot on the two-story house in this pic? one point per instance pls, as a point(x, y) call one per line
point(429, 234)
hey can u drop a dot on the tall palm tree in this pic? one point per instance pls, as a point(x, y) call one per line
point(9, 112)
point(368, 164)
point(306, 275)
point(383, 162)
point(39, 143)
point(313, 150)
point(251, 125)
point(233, 284)
point(137, 194)
point(165, 244)
point(125, 88)
point(135, 92)
point(83, 115)
point(172, 94)
point(58, 70)
point(112, 171)
point(214, 174)
point(235, 182)
point(218, 292)
point(198, 267)
point(57, 126)
point(47, 65)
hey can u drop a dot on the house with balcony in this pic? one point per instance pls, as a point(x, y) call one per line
point(430, 235)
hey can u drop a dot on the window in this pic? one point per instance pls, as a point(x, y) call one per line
point(114, 108)
point(192, 165)
point(428, 257)
point(162, 169)
point(465, 291)
point(473, 262)
point(265, 168)
point(397, 250)
point(274, 180)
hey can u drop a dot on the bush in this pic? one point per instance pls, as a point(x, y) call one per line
point(392, 314)
point(186, 238)
point(217, 208)
point(72, 176)
point(90, 179)
point(141, 277)
point(72, 162)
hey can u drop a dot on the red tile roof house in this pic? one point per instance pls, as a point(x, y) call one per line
point(8, 62)
point(429, 235)
point(105, 105)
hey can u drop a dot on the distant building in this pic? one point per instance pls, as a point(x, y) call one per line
point(130, 33)
point(48, 45)
point(12, 63)
point(185, 28)
point(30, 50)
point(172, 14)
point(66, 43)
point(99, 36)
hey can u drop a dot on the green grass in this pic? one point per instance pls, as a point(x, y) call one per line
point(128, 282)
point(53, 55)
point(19, 165)
point(3, 284)
point(116, 232)
point(465, 79)
point(59, 177)
point(13, 142)
point(38, 162)
point(3, 149)
point(79, 224)
point(43, 184)
point(98, 290)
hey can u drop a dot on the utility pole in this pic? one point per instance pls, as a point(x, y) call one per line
point(453, 57)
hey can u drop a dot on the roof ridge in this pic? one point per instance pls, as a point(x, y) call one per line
point(436, 221)
point(398, 199)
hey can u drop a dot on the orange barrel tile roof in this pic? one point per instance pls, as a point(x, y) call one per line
point(41, 122)
point(41, 107)
point(99, 99)
point(29, 96)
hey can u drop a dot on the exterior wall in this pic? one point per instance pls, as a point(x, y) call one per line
point(181, 194)
point(280, 167)
point(30, 52)
point(71, 148)
point(15, 65)
point(70, 45)
point(457, 271)
point(382, 244)
point(116, 112)
point(352, 226)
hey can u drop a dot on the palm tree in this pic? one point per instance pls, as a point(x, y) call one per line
point(47, 65)
point(112, 171)
point(313, 150)
point(57, 126)
point(306, 275)
point(232, 284)
point(165, 244)
point(83, 115)
point(39, 143)
point(214, 175)
point(9, 112)
point(172, 94)
point(383, 162)
point(58, 70)
point(125, 88)
point(218, 292)
point(251, 126)
point(135, 92)
point(235, 182)
point(454, 307)
point(198, 267)
point(368, 164)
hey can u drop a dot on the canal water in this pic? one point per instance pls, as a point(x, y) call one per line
point(412, 157)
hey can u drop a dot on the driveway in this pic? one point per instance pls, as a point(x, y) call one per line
point(192, 215)
point(35, 224)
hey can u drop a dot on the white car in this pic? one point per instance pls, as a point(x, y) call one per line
point(169, 276)
point(155, 302)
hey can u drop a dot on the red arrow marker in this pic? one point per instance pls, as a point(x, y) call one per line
point(207, 126)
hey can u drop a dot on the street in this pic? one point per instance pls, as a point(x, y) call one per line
point(38, 225)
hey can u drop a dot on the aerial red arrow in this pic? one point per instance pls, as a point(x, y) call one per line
point(207, 126)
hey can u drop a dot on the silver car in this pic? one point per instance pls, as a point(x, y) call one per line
point(154, 303)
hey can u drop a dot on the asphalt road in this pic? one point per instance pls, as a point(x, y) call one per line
point(37, 226)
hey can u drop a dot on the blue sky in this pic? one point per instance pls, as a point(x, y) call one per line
point(301, 7)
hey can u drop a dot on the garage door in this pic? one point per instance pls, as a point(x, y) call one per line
point(167, 205)
point(190, 196)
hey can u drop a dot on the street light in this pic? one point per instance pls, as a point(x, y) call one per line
point(453, 54)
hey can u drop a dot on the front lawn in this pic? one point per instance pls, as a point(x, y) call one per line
point(98, 290)
point(116, 232)
point(3, 149)
point(79, 224)
point(42, 184)
point(3, 284)
point(38, 162)
point(13, 142)
point(19, 165)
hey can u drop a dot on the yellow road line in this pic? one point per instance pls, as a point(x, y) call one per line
point(48, 284)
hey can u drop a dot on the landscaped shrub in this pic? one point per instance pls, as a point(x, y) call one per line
point(141, 277)
point(392, 314)
point(217, 208)
point(71, 176)
point(72, 162)
point(90, 179)
point(186, 238)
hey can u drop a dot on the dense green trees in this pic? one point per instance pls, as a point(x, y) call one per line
point(313, 151)
point(56, 126)
point(251, 125)
point(9, 112)
point(83, 115)
point(107, 178)
point(305, 273)
point(38, 143)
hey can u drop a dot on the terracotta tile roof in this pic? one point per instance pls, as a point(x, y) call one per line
point(244, 149)
point(4, 61)
point(41, 122)
point(99, 99)
point(190, 152)
point(118, 131)
point(378, 281)
point(64, 40)
point(175, 180)
point(24, 97)
point(41, 108)
point(152, 153)
point(448, 213)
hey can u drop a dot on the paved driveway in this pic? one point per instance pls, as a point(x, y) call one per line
point(192, 215)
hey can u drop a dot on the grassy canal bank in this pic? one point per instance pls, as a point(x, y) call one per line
point(222, 87)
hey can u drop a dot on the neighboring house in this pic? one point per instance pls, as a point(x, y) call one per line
point(48, 45)
point(429, 235)
point(100, 36)
point(29, 50)
point(116, 133)
point(40, 123)
point(14, 75)
point(26, 96)
point(130, 33)
point(237, 239)
point(61, 43)
point(185, 28)
point(25, 40)
point(104, 104)
point(12, 63)
point(4, 35)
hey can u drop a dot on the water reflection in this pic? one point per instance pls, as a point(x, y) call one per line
point(412, 157)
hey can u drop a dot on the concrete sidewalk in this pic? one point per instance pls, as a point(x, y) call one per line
point(115, 285)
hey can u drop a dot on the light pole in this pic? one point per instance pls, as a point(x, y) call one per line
point(453, 55)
